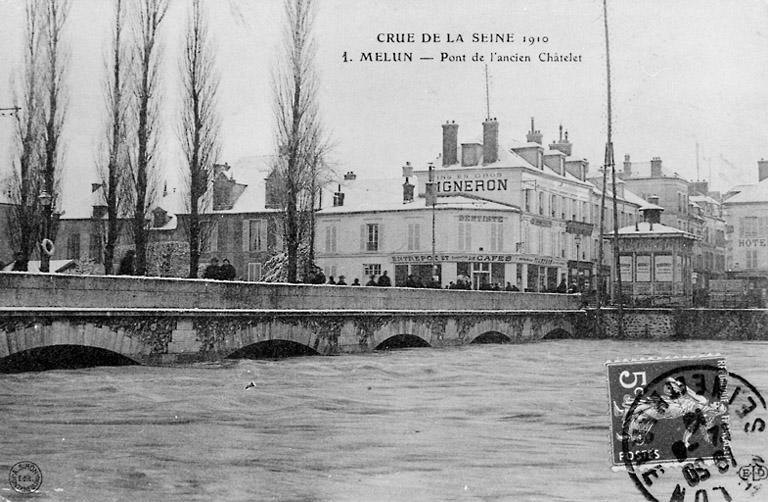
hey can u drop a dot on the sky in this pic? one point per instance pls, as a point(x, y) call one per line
point(683, 73)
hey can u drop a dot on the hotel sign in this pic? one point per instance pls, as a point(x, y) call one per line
point(760, 242)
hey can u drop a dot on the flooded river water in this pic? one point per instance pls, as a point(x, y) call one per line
point(493, 422)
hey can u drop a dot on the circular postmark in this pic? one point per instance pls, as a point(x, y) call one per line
point(711, 449)
point(25, 477)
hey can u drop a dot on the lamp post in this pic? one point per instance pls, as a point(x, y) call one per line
point(577, 241)
point(45, 201)
point(431, 199)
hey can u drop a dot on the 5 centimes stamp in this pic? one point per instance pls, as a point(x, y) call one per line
point(25, 477)
point(662, 409)
point(719, 461)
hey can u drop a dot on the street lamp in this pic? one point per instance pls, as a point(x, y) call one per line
point(431, 199)
point(45, 259)
point(577, 241)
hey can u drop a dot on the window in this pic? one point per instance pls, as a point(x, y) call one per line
point(370, 237)
point(370, 269)
point(330, 239)
point(414, 236)
point(330, 271)
point(210, 236)
point(748, 226)
point(751, 258)
point(553, 205)
point(541, 203)
point(584, 212)
point(497, 237)
point(527, 200)
point(254, 272)
point(94, 248)
point(465, 236)
point(257, 231)
point(73, 246)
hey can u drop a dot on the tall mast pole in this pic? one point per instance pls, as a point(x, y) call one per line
point(487, 96)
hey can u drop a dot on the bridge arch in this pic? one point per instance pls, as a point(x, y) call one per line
point(402, 341)
point(558, 333)
point(64, 356)
point(276, 348)
point(491, 337)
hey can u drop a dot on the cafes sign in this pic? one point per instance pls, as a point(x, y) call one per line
point(478, 257)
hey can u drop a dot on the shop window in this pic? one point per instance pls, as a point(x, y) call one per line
point(370, 269)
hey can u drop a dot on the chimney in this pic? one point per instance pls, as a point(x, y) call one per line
point(627, 167)
point(159, 217)
point(533, 135)
point(490, 141)
point(762, 169)
point(407, 170)
point(430, 195)
point(656, 167)
point(450, 143)
point(350, 176)
point(338, 198)
point(562, 144)
point(407, 191)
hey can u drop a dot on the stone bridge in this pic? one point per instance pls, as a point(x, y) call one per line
point(119, 320)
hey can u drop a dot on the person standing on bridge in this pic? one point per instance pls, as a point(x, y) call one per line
point(384, 280)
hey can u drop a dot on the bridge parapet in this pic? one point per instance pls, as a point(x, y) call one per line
point(58, 290)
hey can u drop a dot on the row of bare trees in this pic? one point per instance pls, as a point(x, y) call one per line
point(40, 103)
point(128, 158)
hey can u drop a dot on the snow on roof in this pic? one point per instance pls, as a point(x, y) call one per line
point(386, 194)
point(757, 192)
point(706, 199)
point(251, 172)
point(643, 229)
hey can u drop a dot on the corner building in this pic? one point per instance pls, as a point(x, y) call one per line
point(519, 213)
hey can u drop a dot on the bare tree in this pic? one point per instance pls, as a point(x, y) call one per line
point(299, 137)
point(54, 67)
point(199, 127)
point(23, 184)
point(149, 15)
point(116, 97)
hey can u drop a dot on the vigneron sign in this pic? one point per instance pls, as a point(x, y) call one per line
point(471, 182)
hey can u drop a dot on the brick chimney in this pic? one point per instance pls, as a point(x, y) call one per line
point(762, 169)
point(350, 176)
point(562, 144)
point(656, 167)
point(407, 191)
point(450, 143)
point(490, 141)
point(338, 197)
point(533, 135)
point(627, 167)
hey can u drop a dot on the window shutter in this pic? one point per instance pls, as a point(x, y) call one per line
point(461, 236)
point(468, 236)
point(262, 235)
point(499, 237)
point(381, 237)
point(362, 237)
point(410, 236)
point(246, 235)
point(417, 236)
point(493, 237)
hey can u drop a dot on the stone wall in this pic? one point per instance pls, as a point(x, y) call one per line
point(55, 290)
point(678, 324)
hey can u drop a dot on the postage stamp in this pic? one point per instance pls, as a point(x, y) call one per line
point(663, 410)
point(690, 426)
